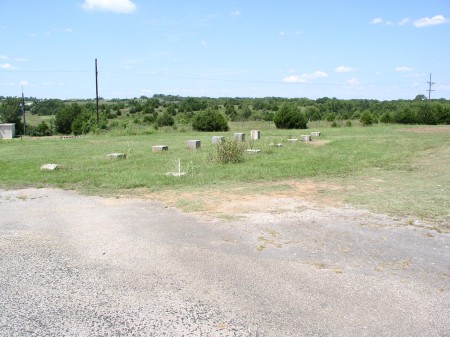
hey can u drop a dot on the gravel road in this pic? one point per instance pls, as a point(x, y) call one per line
point(73, 265)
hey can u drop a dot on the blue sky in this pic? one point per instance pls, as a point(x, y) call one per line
point(346, 49)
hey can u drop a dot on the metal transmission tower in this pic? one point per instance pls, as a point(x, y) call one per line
point(429, 87)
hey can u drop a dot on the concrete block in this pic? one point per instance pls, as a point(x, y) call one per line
point(217, 139)
point(50, 167)
point(193, 144)
point(293, 140)
point(159, 148)
point(306, 138)
point(252, 151)
point(255, 134)
point(116, 156)
point(240, 137)
point(315, 133)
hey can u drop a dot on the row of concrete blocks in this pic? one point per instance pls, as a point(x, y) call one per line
point(238, 136)
point(195, 144)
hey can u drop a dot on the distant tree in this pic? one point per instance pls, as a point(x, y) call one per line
point(406, 115)
point(246, 112)
point(230, 111)
point(289, 117)
point(165, 119)
point(47, 107)
point(209, 120)
point(420, 98)
point(65, 117)
point(10, 112)
point(171, 109)
point(386, 117)
point(366, 118)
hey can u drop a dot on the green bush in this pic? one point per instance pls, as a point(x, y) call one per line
point(289, 117)
point(165, 119)
point(209, 120)
point(366, 118)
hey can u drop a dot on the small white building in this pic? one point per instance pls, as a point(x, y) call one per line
point(7, 130)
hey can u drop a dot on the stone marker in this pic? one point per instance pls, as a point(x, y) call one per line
point(255, 134)
point(116, 156)
point(252, 151)
point(276, 145)
point(193, 144)
point(315, 133)
point(50, 167)
point(293, 140)
point(239, 137)
point(306, 138)
point(217, 139)
point(159, 148)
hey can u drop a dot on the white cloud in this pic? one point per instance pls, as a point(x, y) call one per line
point(116, 6)
point(294, 79)
point(404, 21)
point(353, 81)
point(282, 33)
point(24, 83)
point(403, 69)
point(344, 69)
point(377, 21)
point(315, 75)
point(3, 57)
point(235, 13)
point(68, 30)
point(7, 66)
point(305, 77)
point(203, 43)
point(435, 20)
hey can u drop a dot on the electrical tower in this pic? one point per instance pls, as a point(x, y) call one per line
point(430, 84)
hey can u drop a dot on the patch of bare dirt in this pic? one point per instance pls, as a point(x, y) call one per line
point(272, 197)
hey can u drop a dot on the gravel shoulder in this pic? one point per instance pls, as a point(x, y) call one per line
point(74, 265)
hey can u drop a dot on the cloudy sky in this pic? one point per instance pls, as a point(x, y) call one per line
point(289, 48)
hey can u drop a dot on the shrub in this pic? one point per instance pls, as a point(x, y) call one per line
point(386, 118)
point(229, 152)
point(165, 120)
point(209, 120)
point(289, 117)
point(334, 124)
point(366, 118)
point(349, 123)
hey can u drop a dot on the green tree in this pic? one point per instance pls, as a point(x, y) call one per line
point(366, 118)
point(65, 117)
point(10, 112)
point(47, 107)
point(289, 117)
point(165, 119)
point(209, 120)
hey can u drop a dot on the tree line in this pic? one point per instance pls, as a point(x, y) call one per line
point(209, 114)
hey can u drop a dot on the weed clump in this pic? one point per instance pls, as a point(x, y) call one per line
point(229, 152)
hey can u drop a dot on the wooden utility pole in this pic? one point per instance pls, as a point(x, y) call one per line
point(96, 89)
point(429, 87)
point(23, 112)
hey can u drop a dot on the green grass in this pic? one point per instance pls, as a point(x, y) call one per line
point(389, 170)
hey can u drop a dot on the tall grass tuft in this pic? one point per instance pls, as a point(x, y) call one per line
point(229, 152)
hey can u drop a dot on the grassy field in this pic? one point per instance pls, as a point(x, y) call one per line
point(393, 169)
